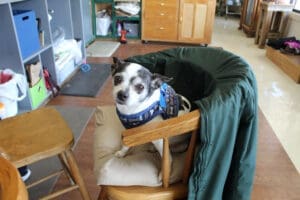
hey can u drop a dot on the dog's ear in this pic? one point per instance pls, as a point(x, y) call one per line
point(116, 64)
point(157, 80)
point(117, 60)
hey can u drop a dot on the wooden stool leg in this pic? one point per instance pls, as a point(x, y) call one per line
point(64, 162)
point(74, 170)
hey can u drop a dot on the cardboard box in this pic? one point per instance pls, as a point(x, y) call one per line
point(34, 72)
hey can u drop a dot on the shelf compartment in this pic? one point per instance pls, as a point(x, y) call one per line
point(38, 93)
point(27, 32)
point(103, 19)
point(40, 9)
point(60, 10)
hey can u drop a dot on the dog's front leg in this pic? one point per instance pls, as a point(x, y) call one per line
point(159, 146)
point(122, 152)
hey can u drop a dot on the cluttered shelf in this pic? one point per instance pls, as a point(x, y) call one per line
point(111, 17)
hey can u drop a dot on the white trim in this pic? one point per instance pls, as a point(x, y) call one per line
point(297, 5)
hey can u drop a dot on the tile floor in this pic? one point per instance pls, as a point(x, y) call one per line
point(278, 94)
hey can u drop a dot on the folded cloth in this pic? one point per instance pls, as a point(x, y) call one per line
point(291, 47)
point(279, 43)
point(130, 8)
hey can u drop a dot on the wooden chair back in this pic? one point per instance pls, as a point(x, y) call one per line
point(183, 124)
point(11, 185)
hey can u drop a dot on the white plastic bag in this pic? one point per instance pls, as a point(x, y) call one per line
point(103, 21)
point(10, 94)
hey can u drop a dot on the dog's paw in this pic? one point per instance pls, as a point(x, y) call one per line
point(120, 154)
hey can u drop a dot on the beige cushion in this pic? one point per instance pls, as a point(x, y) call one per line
point(140, 166)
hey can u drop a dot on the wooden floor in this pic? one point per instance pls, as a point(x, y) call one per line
point(276, 177)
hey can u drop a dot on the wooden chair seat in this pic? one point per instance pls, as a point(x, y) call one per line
point(40, 134)
point(174, 191)
point(140, 135)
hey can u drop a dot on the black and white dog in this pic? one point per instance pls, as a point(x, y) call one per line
point(142, 96)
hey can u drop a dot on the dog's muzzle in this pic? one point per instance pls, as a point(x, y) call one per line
point(122, 96)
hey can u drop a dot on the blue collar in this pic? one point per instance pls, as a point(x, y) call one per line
point(167, 107)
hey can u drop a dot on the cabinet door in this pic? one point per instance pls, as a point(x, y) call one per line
point(196, 20)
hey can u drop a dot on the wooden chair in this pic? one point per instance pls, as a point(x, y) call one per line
point(11, 185)
point(149, 132)
point(37, 135)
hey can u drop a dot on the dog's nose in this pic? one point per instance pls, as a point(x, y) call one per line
point(122, 95)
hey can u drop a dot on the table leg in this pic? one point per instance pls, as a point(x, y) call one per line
point(265, 29)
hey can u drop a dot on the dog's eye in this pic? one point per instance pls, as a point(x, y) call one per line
point(118, 80)
point(139, 87)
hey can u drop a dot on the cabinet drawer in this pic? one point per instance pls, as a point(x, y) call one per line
point(164, 9)
point(161, 31)
point(164, 14)
point(157, 9)
point(160, 3)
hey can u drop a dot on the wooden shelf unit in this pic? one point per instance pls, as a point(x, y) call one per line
point(115, 18)
point(66, 14)
point(183, 21)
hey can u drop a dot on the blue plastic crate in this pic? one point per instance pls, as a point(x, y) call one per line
point(27, 31)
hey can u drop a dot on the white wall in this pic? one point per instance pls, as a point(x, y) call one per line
point(293, 25)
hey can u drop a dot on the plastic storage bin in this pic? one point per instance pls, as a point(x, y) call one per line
point(27, 31)
point(65, 71)
point(103, 22)
point(38, 93)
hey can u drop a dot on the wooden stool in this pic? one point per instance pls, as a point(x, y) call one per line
point(40, 134)
point(270, 18)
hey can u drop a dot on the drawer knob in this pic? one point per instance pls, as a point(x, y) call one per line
point(162, 14)
point(161, 28)
point(162, 4)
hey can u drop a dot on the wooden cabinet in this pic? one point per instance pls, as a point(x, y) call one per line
point(249, 17)
point(184, 21)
